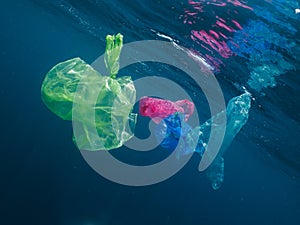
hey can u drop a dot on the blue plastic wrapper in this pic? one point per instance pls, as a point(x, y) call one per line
point(173, 132)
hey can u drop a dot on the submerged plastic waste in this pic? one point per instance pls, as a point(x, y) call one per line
point(173, 131)
point(67, 90)
point(174, 128)
point(158, 109)
point(113, 105)
point(237, 113)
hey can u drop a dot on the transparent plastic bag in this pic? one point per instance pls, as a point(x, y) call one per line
point(112, 107)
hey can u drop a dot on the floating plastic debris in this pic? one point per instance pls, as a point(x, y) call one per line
point(112, 107)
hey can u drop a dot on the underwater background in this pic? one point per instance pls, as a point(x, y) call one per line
point(252, 45)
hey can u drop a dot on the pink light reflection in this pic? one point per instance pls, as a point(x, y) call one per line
point(214, 30)
point(221, 46)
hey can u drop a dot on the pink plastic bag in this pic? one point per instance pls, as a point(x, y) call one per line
point(158, 109)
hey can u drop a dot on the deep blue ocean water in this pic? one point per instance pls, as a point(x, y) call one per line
point(45, 180)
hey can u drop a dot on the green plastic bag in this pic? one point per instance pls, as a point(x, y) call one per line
point(100, 105)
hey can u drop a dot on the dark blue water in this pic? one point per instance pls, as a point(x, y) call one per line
point(44, 179)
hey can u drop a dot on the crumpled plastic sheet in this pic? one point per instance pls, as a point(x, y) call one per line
point(112, 107)
point(174, 132)
point(158, 109)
